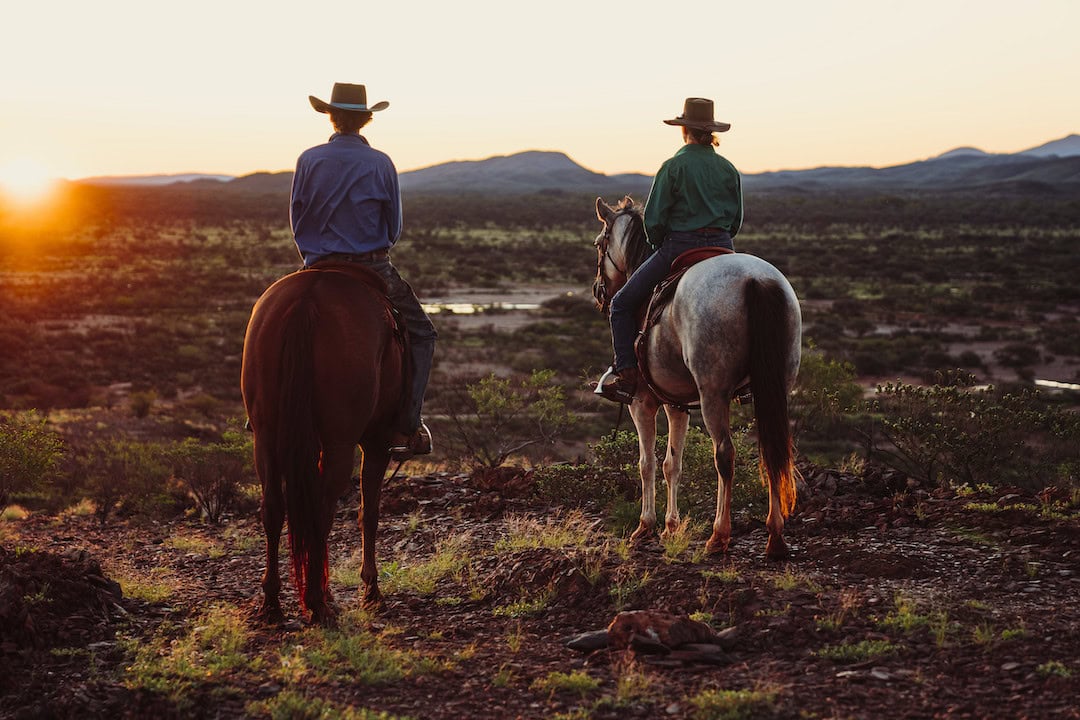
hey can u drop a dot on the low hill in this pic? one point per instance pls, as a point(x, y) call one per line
point(525, 172)
point(1065, 147)
point(954, 172)
point(152, 180)
point(1053, 167)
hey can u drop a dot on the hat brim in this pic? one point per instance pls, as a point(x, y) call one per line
point(700, 124)
point(324, 107)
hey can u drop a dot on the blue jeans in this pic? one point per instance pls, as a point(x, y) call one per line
point(639, 288)
point(422, 337)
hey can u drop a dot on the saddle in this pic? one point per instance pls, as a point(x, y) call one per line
point(355, 270)
point(650, 315)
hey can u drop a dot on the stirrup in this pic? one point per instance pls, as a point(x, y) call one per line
point(418, 444)
point(743, 396)
point(613, 390)
point(598, 387)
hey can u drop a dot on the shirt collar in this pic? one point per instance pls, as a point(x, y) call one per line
point(694, 147)
point(349, 137)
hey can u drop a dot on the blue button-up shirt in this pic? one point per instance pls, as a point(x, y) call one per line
point(345, 199)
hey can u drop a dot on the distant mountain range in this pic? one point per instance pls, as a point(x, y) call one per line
point(150, 180)
point(1053, 167)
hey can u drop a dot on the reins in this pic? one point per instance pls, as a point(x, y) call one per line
point(634, 254)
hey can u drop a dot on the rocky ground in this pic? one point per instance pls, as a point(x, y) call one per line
point(897, 600)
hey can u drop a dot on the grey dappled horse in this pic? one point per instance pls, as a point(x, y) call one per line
point(732, 317)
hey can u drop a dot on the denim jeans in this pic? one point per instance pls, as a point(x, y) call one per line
point(639, 288)
point(422, 337)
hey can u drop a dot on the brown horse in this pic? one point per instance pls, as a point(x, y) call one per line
point(322, 373)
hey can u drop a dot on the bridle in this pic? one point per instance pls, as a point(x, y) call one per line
point(633, 255)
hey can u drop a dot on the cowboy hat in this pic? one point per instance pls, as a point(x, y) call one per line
point(698, 113)
point(347, 97)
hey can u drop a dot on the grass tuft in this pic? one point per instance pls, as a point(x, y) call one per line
point(577, 682)
point(732, 704)
point(293, 705)
point(13, 513)
point(856, 652)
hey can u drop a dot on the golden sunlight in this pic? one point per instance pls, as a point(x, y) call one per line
point(25, 181)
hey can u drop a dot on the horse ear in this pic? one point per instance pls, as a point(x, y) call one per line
point(603, 211)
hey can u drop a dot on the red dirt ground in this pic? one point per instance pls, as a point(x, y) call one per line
point(978, 597)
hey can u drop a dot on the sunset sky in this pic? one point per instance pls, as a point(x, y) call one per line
point(126, 87)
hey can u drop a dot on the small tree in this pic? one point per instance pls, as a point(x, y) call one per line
point(213, 472)
point(142, 402)
point(115, 470)
point(29, 453)
point(494, 418)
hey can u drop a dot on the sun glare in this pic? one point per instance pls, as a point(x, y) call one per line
point(25, 181)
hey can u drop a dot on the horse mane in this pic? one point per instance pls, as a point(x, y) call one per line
point(637, 243)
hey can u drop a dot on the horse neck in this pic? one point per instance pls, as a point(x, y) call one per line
point(631, 245)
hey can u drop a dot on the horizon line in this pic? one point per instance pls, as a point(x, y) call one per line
point(211, 174)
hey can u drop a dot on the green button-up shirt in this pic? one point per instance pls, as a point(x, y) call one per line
point(696, 188)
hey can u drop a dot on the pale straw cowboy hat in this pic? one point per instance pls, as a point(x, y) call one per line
point(698, 113)
point(347, 97)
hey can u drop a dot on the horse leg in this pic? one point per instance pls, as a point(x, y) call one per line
point(273, 517)
point(678, 424)
point(717, 421)
point(375, 460)
point(643, 411)
point(337, 464)
point(775, 547)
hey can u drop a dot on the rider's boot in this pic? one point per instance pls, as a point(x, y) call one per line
point(623, 388)
point(404, 447)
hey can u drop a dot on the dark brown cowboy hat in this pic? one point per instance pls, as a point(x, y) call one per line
point(698, 113)
point(347, 97)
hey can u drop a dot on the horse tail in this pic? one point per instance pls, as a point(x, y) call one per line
point(298, 446)
point(770, 339)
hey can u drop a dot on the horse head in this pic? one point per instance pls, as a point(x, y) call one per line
point(620, 248)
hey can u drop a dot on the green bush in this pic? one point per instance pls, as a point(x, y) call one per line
point(142, 402)
point(698, 485)
point(214, 472)
point(121, 472)
point(824, 399)
point(495, 418)
point(581, 485)
point(618, 450)
point(29, 453)
point(952, 432)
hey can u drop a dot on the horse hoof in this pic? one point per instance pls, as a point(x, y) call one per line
point(671, 529)
point(269, 614)
point(324, 616)
point(776, 550)
point(716, 546)
point(641, 536)
point(372, 600)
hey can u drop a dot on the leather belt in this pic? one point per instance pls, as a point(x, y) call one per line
point(367, 257)
point(710, 230)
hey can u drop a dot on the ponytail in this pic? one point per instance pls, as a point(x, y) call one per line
point(702, 137)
